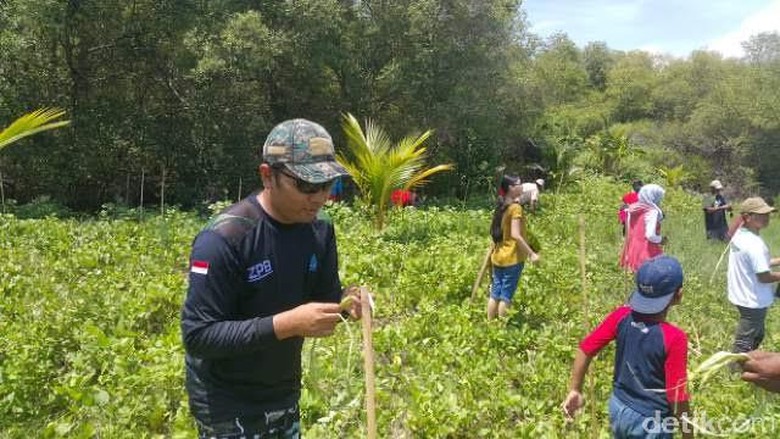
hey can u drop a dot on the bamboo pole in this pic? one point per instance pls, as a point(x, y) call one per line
point(162, 193)
point(586, 318)
point(141, 202)
point(481, 272)
point(127, 190)
point(720, 260)
point(368, 363)
point(733, 227)
point(2, 191)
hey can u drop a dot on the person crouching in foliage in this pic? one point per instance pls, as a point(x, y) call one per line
point(649, 396)
point(508, 230)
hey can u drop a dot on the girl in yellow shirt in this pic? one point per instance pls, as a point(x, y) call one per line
point(511, 248)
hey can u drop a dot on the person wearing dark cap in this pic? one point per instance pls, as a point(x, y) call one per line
point(649, 395)
point(263, 275)
point(749, 276)
point(715, 208)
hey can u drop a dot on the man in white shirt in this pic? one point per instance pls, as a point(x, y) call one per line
point(750, 277)
point(530, 196)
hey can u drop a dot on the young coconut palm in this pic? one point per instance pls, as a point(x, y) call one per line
point(378, 167)
point(27, 125)
point(39, 120)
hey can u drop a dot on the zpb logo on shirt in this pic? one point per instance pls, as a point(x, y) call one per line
point(259, 271)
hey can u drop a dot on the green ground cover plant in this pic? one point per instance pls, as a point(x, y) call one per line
point(90, 344)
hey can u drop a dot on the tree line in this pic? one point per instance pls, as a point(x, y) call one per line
point(178, 96)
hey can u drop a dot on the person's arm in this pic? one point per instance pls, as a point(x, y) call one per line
point(763, 370)
point(590, 346)
point(574, 400)
point(707, 204)
point(761, 264)
point(774, 262)
point(724, 205)
point(517, 236)
point(651, 224)
point(676, 376)
point(313, 319)
point(768, 277)
point(683, 413)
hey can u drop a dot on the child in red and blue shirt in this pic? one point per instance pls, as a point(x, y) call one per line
point(649, 396)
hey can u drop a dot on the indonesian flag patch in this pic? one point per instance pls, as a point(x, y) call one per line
point(199, 267)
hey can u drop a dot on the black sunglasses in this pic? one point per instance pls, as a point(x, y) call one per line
point(304, 186)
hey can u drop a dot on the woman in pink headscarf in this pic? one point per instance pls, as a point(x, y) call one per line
point(643, 228)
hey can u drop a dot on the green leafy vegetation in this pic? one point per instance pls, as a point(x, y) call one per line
point(90, 343)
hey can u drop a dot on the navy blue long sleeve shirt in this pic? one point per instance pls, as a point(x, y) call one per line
point(245, 267)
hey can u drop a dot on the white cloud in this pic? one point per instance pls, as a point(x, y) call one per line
point(764, 20)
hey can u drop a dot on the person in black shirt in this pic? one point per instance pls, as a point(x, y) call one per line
point(715, 207)
point(263, 275)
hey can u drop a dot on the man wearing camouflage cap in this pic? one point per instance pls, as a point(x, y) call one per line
point(750, 277)
point(263, 275)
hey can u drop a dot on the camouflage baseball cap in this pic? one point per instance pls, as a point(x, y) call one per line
point(305, 148)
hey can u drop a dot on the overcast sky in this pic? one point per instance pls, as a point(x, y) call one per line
point(674, 27)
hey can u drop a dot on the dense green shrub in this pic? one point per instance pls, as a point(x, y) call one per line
point(90, 344)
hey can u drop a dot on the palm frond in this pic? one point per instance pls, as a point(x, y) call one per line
point(378, 141)
point(378, 166)
point(422, 177)
point(31, 123)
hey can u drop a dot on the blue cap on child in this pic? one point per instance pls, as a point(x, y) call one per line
point(656, 282)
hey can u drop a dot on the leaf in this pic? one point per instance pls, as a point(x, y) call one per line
point(101, 397)
point(31, 123)
point(63, 428)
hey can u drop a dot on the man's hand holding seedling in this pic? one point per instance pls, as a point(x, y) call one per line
point(351, 303)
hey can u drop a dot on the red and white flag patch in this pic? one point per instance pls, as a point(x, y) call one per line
point(199, 267)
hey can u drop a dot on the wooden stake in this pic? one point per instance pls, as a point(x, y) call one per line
point(162, 193)
point(720, 260)
point(586, 318)
point(2, 191)
point(240, 181)
point(141, 202)
point(733, 227)
point(368, 364)
point(583, 270)
point(482, 270)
